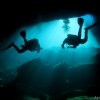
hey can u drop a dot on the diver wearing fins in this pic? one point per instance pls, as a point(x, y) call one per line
point(31, 45)
point(73, 40)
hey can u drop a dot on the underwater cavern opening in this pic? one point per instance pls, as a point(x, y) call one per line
point(53, 70)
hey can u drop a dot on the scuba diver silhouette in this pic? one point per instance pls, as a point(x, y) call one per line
point(31, 45)
point(73, 40)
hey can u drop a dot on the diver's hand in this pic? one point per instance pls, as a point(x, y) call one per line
point(62, 46)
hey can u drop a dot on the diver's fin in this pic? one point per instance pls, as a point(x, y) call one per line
point(95, 24)
point(23, 34)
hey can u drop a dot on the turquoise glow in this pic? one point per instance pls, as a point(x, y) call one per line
point(51, 35)
point(74, 27)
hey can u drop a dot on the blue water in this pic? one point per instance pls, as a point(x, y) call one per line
point(51, 35)
point(55, 69)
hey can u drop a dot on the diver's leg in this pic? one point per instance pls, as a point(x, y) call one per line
point(23, 34)
point(25, 41)
point(80, 22)
point(86, 33)
point(8, 47)
point(86, 37)
point(17, 49)
point(89, 27)
point(79, 32)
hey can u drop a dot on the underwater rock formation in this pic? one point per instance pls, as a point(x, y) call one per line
point(37, 79)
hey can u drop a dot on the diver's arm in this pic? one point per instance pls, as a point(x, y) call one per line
point(86, 37)
point(63, 43)
point(25, 41)
point(16, 48)
point(79, 32)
